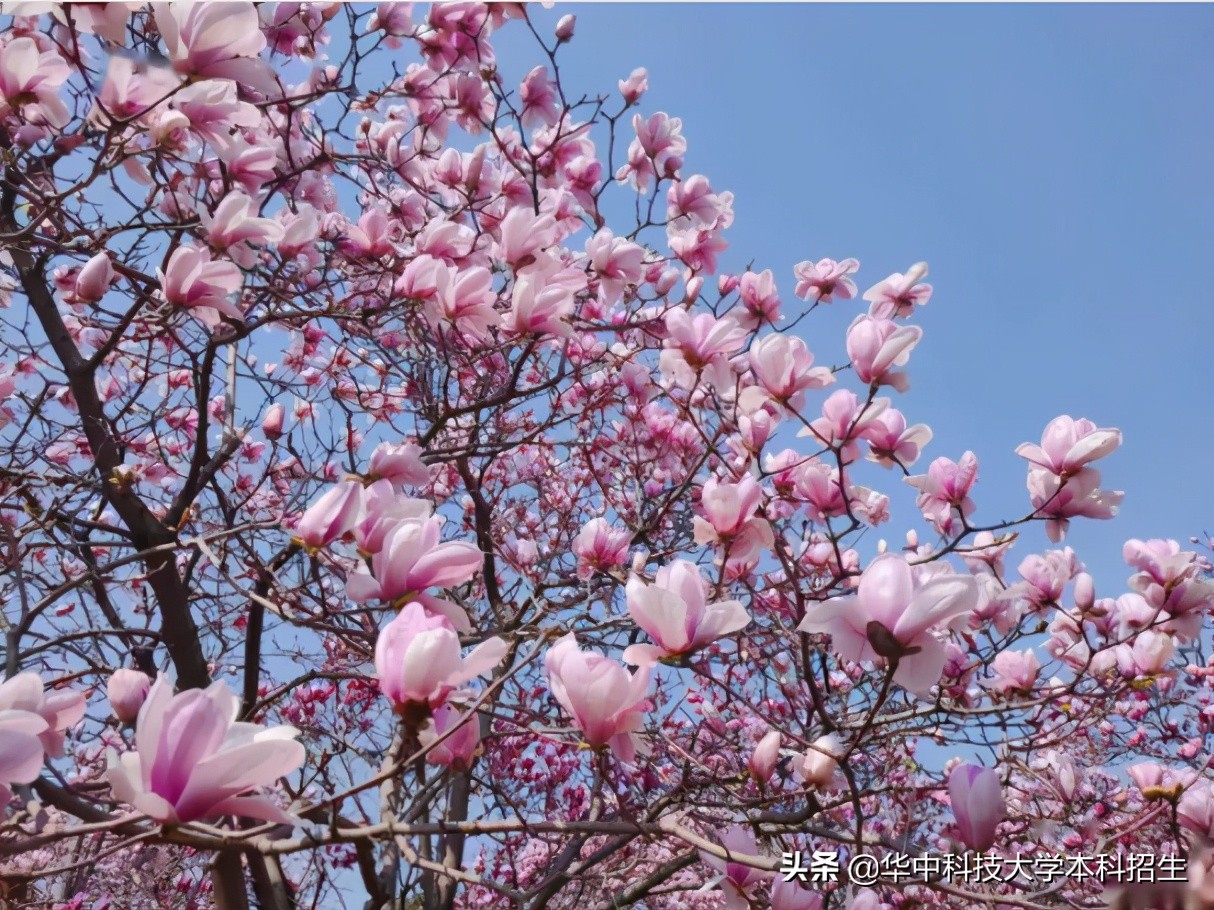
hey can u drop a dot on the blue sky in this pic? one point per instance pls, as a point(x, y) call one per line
point(1053, 163)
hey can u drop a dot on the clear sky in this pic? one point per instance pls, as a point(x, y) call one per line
point(1053, 163)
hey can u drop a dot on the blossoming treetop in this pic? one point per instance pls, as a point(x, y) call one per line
point(388, 523)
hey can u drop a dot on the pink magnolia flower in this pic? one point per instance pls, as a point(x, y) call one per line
point(739, 878)
point(194, 760)
point(675, 612)
point(565, 26)
point(272, 423)
point(21, 752)
point(29, 83)
point(600, 547)
point(1014, 672)
point(128, 93)
point(606, 702)
point(1076, 497)
point(94, 279)
point(465, 298)
point(1046, 575)
point(540, 305)
point(845, 420)
point(107, 20)
point(730, 518)
point(899, 294)
point(60, 708)
point(394, 19)
point(463, 736)
point(763, 759)
point(944, 491)
point(876, 346)
point(1148, 654)
point(335, 513)
point(635, 85)
point(541, 106)
point(825, 279)
point(1168, 578)
point(1158, 782)
point(658, 150)
point(1195, 810)
point(788, 895)
point(215, 41)
point(783, 367)
point(371, 237)
point(419, 663)
point(977, 800)
point(1067, 445)
point(127, 690)
point(760, 300)
point(233, 227)
point(817, 765)
point(891, 616)
point(616, 262)
point(891, 441)
point(523, 235)
point(699, 344)
point(411, 559)
point(399, 464)
point(192, 281)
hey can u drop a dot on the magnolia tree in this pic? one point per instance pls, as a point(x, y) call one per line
point(400, 510)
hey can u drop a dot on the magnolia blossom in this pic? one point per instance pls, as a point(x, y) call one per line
point(739, 879)
point(1158, 782)
point(675, 613)
point(783, 368)
point(336, 512)
point(607, 703)
point(1014, 672)
point(1077, 497)
point(215, 41)
point(825, 279)
point(234, 228)
point(944, 491)
point(94, 279)
point(635, 85)
point(891, 441)
point(127, 690)
point(899, 294)
point(418, 659)
point(450, 737)
point(876, 346)
point(60, 708)
point(21, 751)
point(845, 420)
point(600, 547)
point(1168, 578)
point(1195, 810)
point(194, 760)
point(1067, 445)
point(399, 464)
point(730, 518)
point(30, 82)
point(977, 801)
point(192, 281)
point(272, 422)
point(412, 558)
point(891, 616)
point(817, 765)
point(763, 759)
point(699, 346)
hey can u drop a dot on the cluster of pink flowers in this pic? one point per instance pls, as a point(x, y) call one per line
point(539, 550)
